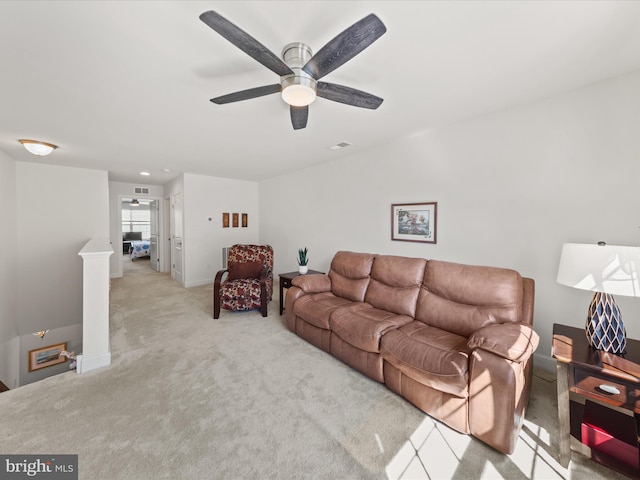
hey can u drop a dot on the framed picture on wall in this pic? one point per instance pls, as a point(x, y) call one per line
point(414, 222)
point(46, 356)
point(235, 220)
point(245, 220)
point(225, 220)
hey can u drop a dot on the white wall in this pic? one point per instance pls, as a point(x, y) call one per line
point(116, 191)
point(205, 199)
point(59, 209)
point(9, 340)
point(511, 188)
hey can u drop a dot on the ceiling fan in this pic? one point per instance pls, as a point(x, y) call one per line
point(300, 70)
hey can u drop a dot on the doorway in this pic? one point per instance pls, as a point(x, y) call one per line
point(140, 223)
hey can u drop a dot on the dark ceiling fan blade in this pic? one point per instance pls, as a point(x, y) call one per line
point(299, 116)
point(347, 95)
point(345, 46)
point(245, 42)
point(247, 94)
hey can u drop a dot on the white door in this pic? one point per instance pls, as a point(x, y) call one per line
point(154, 218)
point(176, 238)
point(165, 235)
point(153, 238)
point(153, 252)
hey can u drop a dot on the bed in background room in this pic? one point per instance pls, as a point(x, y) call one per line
point(139, 249)
point(127, 238)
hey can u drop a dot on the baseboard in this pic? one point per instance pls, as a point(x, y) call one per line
point(199, 283)
point(544, 362)
point(86, 364)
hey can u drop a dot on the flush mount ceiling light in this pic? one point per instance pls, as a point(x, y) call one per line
point(146, 174)
point(38, 148)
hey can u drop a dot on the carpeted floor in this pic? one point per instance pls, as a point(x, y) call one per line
point(189, 397)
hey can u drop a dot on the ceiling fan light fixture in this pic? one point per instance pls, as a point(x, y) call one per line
point(298, 94)
point(38, 148)
point(299, 69)
point(299, 89)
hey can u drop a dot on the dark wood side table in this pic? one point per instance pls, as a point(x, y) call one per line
point(285, 282)
point(585, 373)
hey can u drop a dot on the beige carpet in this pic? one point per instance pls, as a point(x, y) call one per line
point(189, 397)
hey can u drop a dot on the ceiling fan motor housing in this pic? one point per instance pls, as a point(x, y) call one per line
point(298, 89)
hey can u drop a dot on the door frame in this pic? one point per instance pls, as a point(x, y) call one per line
point(161, 229)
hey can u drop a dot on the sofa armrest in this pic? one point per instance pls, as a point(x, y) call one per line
point(314, 283)
point(513, 341)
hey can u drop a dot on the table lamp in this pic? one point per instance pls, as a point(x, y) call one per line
point(606, 270)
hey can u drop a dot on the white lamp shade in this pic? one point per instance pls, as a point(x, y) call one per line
point(610, 269)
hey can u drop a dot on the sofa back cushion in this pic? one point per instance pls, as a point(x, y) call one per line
point(463, 298)
point(349, 275)
point(395, 283)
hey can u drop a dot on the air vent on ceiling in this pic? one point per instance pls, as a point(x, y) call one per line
point(144, 190)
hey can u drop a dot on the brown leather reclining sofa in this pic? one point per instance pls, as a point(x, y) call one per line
point(455, 340)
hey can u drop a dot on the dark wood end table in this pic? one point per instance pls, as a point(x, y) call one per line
point(589, 374)
point(285, 282)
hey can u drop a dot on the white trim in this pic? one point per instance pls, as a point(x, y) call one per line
point(199, 283)
point(86, 364)
point(544, 362)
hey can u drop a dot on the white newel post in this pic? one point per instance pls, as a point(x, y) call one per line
point(95, 305)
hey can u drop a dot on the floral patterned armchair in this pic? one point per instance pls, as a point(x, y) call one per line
point(249, 280)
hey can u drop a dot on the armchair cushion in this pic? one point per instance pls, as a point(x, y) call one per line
point(513, 341)
point(240, 270)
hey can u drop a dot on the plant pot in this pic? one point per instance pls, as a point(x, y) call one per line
point(302, 269)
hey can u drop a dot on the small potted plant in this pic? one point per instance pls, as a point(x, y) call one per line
point(303, 260)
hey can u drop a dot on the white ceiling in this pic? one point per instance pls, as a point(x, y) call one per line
point(125, 86)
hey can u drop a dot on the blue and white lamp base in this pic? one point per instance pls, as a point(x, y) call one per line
point(604, 329)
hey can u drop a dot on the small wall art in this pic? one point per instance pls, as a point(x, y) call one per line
point(225, 220)
point(47, 356)
point(235, 220)
point(245, 220)
point(414, 222)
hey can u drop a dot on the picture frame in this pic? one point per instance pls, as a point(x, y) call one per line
point(414, 222)
point(225, 220)
point(235, 220)
point(46, 356)
point(245, 220)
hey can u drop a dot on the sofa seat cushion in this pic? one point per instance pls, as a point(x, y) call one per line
point(431, 356)
point(362, 325)
point(316, 308)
